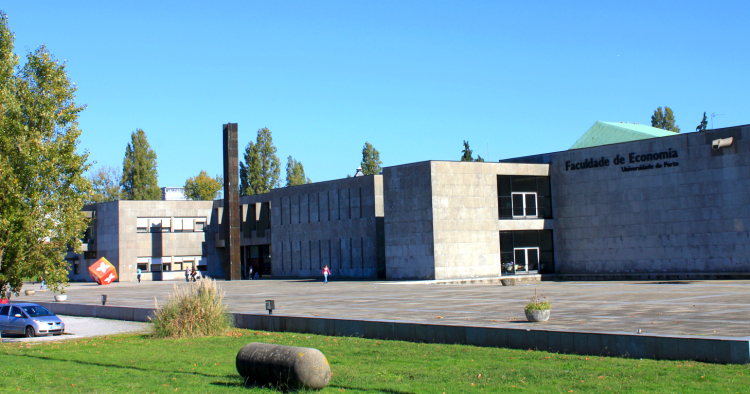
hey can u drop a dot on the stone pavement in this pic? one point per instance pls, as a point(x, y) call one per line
point(706, 308)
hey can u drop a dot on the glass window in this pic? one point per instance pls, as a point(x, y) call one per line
point(524, 205)
point(16, 311)
point(35, 311)
point(4, 310)
point(143, 267)
point(524, 184)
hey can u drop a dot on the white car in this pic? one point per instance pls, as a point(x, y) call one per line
point(30, 320)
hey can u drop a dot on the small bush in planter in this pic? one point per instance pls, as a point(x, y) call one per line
point(538, 308)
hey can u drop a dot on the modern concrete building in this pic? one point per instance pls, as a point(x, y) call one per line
point(626, 201)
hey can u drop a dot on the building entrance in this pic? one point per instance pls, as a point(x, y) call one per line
point(257, 261)
point(526, 260)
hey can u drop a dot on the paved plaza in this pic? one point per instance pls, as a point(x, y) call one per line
point(706, 308)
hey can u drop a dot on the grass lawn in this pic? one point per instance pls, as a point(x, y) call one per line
point(140, 364)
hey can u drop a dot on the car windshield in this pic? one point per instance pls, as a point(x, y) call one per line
point(36, 311)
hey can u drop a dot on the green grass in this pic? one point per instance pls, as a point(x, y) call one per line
point(141, 364)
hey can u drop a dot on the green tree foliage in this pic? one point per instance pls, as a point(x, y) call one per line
point(467, 154)
point(203, 187)
point(139, 175)
point(106, 185)
point(260, 171)
point(295, 173)
point(42, 181)
point(664, 120)
point(370, 160)
point(704, 123)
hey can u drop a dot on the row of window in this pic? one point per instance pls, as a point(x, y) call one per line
point(171, 263)
point(174, 225)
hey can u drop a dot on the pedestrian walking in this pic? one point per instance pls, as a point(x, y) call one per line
point(139, 275)
point(251, 272)
point(193, 273)
point(187, 274)
point(326, 272)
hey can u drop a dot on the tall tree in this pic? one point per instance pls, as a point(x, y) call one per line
point(664, 120)
point(106, 185)
point(370, 160)
point(704, 123)
point(467, 154)
point(295, 173)
point(260, 171)
point(139, 175)
point(203, 187)
point(42, 181)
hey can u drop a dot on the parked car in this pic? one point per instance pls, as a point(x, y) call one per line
point(30, 320)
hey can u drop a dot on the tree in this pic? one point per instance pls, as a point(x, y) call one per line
point(664, 120)
point(704, 123)
point(295, 173)
point(370, 160)
point(106, 185)
point(42, 181)
point(203, 187)
point(467, 154)
point(139, 175)
point(260, 171)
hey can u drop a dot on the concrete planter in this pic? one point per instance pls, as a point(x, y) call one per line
point(29, 292)
point(537, 316)
point(508, 282)
point(61, 297)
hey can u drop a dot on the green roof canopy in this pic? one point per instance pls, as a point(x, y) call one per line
point(605, 133)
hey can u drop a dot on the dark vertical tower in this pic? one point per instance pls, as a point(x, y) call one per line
point(231, 219)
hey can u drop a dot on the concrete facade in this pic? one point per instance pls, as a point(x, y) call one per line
point(663, 207)
point(118, 240)
point(687, 214)
point(441, 218)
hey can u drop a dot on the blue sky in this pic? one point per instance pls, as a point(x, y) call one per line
point(415, 79)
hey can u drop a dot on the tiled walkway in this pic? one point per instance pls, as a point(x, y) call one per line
point(712, 308)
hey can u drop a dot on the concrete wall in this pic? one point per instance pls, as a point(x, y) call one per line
point(106, 240)
point(333, 223)
point(465, 221)
point(724, 350)
point(409, 238)
point(692, 217)
point(118, 240)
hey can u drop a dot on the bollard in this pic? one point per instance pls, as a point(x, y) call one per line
point(290, 367)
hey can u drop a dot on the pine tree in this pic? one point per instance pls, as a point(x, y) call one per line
point(467, 152)
point(704, 123)
point(42, 182)
point(370, 160)
point(295, 173)
point(260, 171)
point(139, 175)
point(664, 120)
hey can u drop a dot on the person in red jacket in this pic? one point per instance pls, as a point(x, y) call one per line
point(326, 272)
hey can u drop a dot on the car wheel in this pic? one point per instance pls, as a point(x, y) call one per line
point(30, 333)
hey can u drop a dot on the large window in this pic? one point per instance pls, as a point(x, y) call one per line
point(526, 252)
point(523, 197)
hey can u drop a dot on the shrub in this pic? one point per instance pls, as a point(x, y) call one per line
point(538, 303)
point(193, 312)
